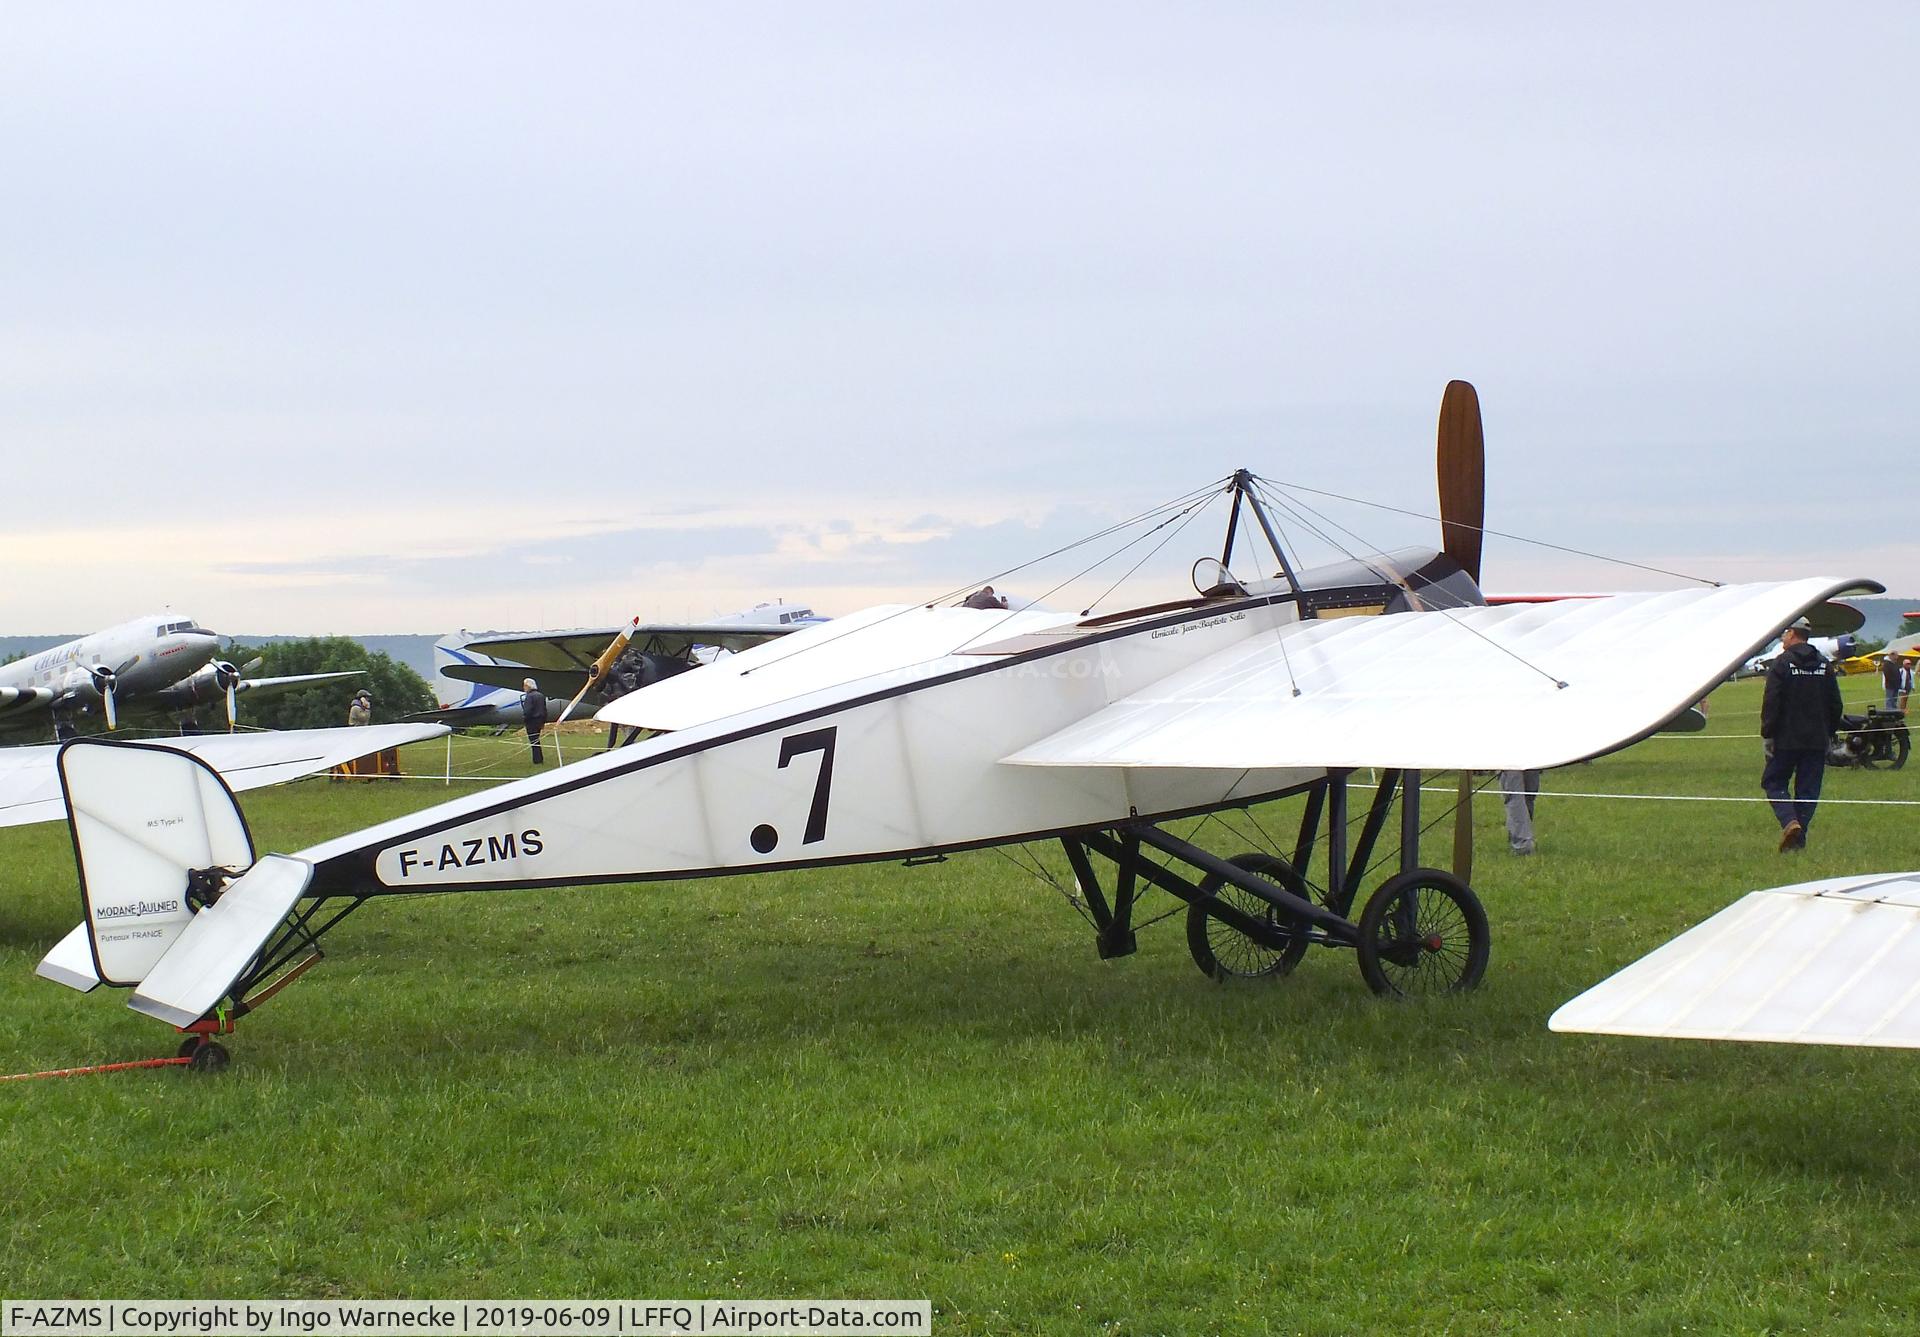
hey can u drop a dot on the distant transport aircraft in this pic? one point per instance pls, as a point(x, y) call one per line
point(904, 733)
point(480, 675)
point(158, 664)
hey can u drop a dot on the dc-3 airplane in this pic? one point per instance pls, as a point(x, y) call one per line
point(160, 664)
point(155, 664)
point(905, 732)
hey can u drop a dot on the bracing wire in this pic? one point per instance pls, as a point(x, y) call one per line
point(1505, 650)
point(1497, 533)
point(1187, 499)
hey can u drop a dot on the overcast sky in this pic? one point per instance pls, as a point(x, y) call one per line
point(387, 317)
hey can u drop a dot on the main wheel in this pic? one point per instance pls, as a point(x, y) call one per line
point(1423, 932)
point(209, 1056)
point(1223, 952)
point(1885, 747)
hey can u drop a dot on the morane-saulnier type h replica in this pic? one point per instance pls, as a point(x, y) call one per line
point(907, 732)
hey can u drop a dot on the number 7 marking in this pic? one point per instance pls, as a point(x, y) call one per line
point(821, 741)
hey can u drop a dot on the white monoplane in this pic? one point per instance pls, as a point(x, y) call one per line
point(912, 731)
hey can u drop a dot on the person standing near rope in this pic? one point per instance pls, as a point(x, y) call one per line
point(1893, 671)
point(533, 713)
point(1798, 715)
point(1518, 789)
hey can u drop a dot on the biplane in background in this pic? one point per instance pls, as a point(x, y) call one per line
point(907, 732)
point(486, 671)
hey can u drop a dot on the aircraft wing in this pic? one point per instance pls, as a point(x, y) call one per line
point(30, 782)
point(274, 686)
point(576, 650)
point(562, 683)
point(1834, 962)
point(1485, 688)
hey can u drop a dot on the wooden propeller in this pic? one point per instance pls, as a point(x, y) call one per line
point(600, 667)
point(1462, 461)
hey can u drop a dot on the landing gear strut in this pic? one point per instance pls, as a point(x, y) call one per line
point(1420, 932)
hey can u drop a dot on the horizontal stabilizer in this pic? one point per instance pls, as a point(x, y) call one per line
point(71, 962)
point(221, 942)
point(1834, 962)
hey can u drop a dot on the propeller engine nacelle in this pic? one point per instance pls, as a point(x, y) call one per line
point(104, 681)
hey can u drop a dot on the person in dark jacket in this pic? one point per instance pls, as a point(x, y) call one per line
point(533, 713)
point(1893, 672)
point(1798, 715)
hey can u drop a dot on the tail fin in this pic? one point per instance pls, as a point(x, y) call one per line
point(449, 650)
point(152, 829)
point(176, 905)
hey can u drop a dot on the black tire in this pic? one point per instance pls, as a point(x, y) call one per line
point(191, 1045)
point(1884, 748)
point(211, 1056)
point(1423, 932)
point(1224, 953)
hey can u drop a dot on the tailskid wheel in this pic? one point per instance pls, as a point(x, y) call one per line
point(204, 1055)
point(1423, 932)
point(1221, 951)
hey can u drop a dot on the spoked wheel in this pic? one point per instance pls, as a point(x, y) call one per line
point(1221, 951)
point(1886, 747)
point(1423, 932)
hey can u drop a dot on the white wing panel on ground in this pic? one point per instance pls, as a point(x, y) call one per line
point(1834, 962)
point(30, 784)
point(1518, 686)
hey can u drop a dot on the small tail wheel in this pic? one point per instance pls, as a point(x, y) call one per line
point(1223, 952)
point(1423, 932)
point(204, 1055)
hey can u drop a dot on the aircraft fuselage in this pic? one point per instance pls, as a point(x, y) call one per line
point(144, 655)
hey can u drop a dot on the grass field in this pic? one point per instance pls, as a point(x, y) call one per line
point(888, 1082)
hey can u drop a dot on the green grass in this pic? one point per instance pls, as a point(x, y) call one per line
point(882, 1082)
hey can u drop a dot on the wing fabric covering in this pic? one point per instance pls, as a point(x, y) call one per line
point(1485, 688)
point(30, 782)
point(1834, 962)
point(880, 646)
